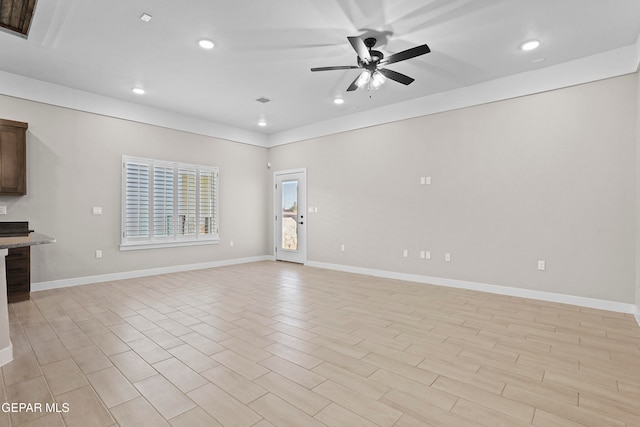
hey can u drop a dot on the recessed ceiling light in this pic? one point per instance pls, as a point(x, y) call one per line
point(206, 44)
point(338, 101)
point(262, 123)
point(530, 45)
point(138, 91)
point(145, 17)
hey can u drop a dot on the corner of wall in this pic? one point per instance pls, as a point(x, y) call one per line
point(638, 53)
point(637, 231)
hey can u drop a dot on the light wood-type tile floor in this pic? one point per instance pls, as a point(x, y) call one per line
point(277, 344)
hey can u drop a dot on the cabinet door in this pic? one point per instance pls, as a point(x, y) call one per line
point(13, 158)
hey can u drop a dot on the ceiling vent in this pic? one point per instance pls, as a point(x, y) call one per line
point(263, 100)
point(16, 16)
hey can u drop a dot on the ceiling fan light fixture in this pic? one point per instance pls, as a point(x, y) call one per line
point(377, 80)
point(530, 45)
point(262, 123)
point(138, 91)
point(364, 78)
point(338, 101)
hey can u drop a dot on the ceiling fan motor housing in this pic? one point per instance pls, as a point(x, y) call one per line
point(376, 55)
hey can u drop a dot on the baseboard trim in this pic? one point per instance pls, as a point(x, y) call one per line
point(6, 355)
point(637, 314)
point(483, 287)
point(55, 284)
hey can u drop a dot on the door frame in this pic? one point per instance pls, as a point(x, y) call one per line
point(302, 242)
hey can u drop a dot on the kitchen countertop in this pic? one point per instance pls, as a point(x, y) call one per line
point(31, 240)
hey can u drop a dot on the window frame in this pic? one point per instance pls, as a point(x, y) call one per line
point(175, 238)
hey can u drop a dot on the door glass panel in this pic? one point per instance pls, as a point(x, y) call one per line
point(290, 215)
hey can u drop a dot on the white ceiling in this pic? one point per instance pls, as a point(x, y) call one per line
point(266, 49)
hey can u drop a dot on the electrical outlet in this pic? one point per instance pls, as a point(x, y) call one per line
point(428, 180)
point(3, 210)
point(231, 243)
point(405, 253)
point(342, 247)
point(97, 210)
point(427, 255)
point(542, 265)
point(423, 180)
point(447, 257)
point(98, 254)
point(422, 255)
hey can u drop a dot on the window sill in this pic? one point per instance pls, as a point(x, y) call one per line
point(159, 245)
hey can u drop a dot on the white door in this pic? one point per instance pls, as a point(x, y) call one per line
point(290, 205)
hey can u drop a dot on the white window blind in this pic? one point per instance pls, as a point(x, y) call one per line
point(162, 201)
point(187, 202)
point(168, 203)
point(137, 200)
point(208, 202)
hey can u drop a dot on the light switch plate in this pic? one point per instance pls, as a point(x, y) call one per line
point(97, 210)
point(3, 210)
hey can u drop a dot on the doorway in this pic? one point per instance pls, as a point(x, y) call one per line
point(290, 207)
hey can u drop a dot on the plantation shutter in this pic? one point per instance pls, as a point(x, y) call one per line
point(162, 201)
point(187, 202)
point(208, 219)
point(136, 200)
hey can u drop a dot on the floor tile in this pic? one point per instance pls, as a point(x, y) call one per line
point(90, 359)
point(112, 387)
point(224, 408)
point(179, 374)
point(63, 376)
point(137, 412)
point(196, 417)
point(85, 409)
point(166, 398)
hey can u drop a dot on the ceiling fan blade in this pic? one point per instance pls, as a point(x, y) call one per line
point(406, 54)
point(360, 48)
point(353, 86)
point(394, 75)
point(340, 67)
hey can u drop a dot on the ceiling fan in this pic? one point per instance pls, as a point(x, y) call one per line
point(372, 61)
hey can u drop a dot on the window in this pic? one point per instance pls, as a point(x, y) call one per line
point(168, 204)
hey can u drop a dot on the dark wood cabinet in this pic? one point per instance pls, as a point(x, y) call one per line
point(13, 158)
point(18, 265)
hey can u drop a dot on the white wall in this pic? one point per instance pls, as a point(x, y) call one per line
point(74, 163)
point(543, 177)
